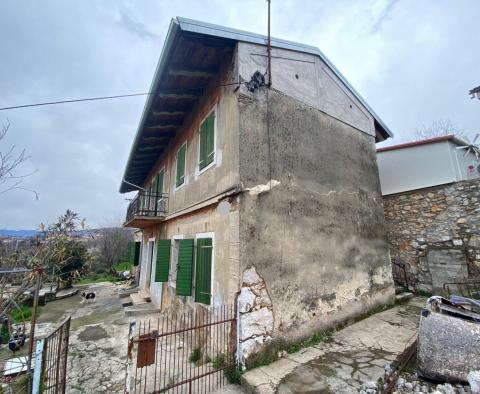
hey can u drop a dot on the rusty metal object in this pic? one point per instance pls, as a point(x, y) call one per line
point(404, 359)
point(146, 349)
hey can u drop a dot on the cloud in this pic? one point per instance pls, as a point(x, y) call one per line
point(412, 61)
point(135, 26)
point(384, 14)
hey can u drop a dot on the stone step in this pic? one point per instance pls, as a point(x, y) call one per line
point(402, 297)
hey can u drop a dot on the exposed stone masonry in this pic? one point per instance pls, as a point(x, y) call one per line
point(256, 314)
point(434, 230)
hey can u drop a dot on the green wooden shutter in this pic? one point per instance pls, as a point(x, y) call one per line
point(133, 252)
point(184, 267)
point(180, 178)
point(207, 142)
point(163, 261)
point(203, 270)
point(210, 143)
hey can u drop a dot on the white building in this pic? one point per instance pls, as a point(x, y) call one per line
point(420, 164)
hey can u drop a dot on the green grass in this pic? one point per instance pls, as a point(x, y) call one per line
point(219, 361)
point(196, 355)
point(272, 351)
point(24, 313)
point(123, 266)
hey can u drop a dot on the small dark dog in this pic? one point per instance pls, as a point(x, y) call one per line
point(88, 296)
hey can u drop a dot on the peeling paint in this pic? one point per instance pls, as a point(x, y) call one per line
point(258, 189)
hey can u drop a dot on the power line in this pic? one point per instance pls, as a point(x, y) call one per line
point(78, 100)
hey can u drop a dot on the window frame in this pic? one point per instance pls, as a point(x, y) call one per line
point(184, 167)
point(212, 272)
point(214, 110)
point(174, 261)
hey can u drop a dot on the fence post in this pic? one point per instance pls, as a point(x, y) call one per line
point(37, 372)
point(129, 368)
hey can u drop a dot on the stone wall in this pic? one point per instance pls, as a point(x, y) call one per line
point(255, 328)
point(437, 232)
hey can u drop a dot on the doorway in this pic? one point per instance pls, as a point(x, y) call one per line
point(148, 277)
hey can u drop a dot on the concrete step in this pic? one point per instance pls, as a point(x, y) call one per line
point(145, 309)
point(399, 289)
point(139, 298)
point(124, 293)
point(402, 297)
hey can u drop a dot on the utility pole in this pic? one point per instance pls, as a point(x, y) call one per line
point(269, 49)
point(38, 283)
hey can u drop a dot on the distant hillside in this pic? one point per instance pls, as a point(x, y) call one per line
point(18, 233)
point(6, 233)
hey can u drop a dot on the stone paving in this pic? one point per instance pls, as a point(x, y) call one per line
point(352, 358)
point(98, 340)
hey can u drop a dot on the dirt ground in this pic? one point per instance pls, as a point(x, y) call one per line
point(98, 340)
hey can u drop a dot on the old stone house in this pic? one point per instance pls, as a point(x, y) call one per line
point(431, 193)
point(266, 194)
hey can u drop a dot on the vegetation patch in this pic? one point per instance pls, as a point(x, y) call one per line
point(123, 266)
point(275, 349)
point(196, 355)
point(24, 313)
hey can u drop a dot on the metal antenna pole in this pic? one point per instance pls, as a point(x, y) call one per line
point(269, 49)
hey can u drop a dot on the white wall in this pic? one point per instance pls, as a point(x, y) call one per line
point(423, 166)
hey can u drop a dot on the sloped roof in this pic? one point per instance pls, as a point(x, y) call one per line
point(449, 137)
point(194, 45)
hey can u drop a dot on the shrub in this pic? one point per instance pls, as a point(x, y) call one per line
point(196, 355)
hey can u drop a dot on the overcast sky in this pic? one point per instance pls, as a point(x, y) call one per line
point(413, 61)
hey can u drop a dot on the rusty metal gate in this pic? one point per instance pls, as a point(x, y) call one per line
point(50, 373)
point(182, 353)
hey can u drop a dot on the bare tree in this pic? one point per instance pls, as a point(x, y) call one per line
point(112, 245)
point(10, 161)
point(439, 128)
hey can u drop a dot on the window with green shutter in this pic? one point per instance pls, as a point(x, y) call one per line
point(207, 141)
point(160, 177)
point(185, 267)
point(180, 177)
point(203, 270)
point(133, 251)
point(163, 260)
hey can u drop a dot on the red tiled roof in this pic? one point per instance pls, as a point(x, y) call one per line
point(415, 143)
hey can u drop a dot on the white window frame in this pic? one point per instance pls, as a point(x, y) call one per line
point(153, 266)
point(173, 283)
point(184, 169)
point(159, 171)
point(212, 275)
point(214, 162)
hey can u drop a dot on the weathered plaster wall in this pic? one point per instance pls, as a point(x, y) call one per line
point(222, 219)
point(317, 237)
point(222, 175)
point(427, 225)
point(307, 78)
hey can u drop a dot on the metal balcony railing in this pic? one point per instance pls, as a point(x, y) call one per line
point(147, 205)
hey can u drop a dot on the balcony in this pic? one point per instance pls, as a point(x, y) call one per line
point(146, 209)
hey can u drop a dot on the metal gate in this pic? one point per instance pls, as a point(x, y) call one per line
point(50, 373)
point(182, 353)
